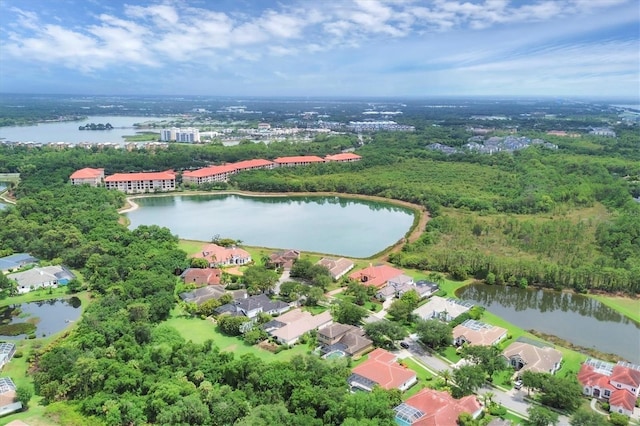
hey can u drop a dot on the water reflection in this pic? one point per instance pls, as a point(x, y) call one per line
point(576, 318)
point(49, 316)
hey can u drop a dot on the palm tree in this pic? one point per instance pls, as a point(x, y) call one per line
point(487, 398)
point(446, 376)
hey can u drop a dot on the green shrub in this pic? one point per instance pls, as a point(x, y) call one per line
point(18, 354)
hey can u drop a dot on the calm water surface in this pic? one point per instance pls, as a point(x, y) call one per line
point(68, 131)
point(2, 188)
point(335, 225)
point(576, 318)
point(51, 316)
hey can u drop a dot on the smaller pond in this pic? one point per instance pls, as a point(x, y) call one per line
point(575, 318)
point(2, 188)
point(49, 316)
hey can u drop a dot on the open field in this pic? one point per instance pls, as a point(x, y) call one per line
point(198, 331)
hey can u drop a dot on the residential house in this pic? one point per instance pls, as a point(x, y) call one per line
point(252, 306)
point(6, 352)
point(619, 383)
point(345, 157)
point(302, 160)
point(224, 256)
point(133, 183)
point(7, 397)
point(87, 176)
point(283, 259)
point(203, 294)
point(426, 288)
point(442, 309)
point(337, 267)
point(202, 276)
point(345, 338)
point(41, 277)
point(16, 261)
point(295, 323)
point(524, 356)
point(381, 369)
point(430, 407)
point(396, 287)
point(376, 276)
point(477, 333)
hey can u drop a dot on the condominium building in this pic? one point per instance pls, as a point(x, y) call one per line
point(221, 173)
point(178, 134)
point(87, 176)
point(133, 183)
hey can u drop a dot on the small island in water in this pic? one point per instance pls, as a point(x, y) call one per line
point(94, 126)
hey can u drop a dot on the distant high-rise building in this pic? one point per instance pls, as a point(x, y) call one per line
point(177, 134)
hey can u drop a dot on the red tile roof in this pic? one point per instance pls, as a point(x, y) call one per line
point(299, 159)
point(208, 276)
point(211, 171)
point(381, 368)
point(625, 375)
point(376, 276)
point(120, 177)
point(248, 164)
point(588, 376)
point(345, 156)
point(218, 254)
point(623, 398)
point(440, 408)
point(87, 173)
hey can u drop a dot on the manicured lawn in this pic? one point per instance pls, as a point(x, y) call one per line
point(315, 310)
point(191, 247)
point(198, 330)
point(503, 378)
point(625, 305)
point(450, 353)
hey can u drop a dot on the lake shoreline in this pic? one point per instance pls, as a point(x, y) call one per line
point(420, 213)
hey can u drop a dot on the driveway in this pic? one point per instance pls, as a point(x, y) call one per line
point(283, 279)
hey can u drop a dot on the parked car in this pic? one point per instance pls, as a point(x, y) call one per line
point(404, 345)
point(518, 384)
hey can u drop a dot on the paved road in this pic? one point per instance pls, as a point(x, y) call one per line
point(283, 279)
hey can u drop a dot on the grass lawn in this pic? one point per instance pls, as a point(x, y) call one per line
point(450, 353)
point(503, 378)
point(191, 247)
point(315, 310)
point(625, 305)
point(198, 330)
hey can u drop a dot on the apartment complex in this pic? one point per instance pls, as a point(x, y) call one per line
point(87, 176)
point(135, 183)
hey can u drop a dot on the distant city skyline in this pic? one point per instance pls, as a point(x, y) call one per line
point(333, 48)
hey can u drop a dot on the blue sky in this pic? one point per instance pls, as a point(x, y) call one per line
point(365, 48)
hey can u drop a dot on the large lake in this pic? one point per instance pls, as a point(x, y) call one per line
point(68, 132)
point(573, 317)
point(348, 227)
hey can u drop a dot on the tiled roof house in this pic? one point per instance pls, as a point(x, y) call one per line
point(224, 256)
point(337, 267)
point(619, 383)
point(381, 369)
point(430, 407)
point(527, 357)
point(376, 276)
point(476, 333)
